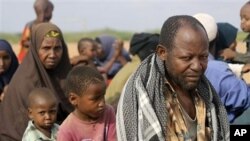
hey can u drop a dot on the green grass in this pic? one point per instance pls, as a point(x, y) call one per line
point(74, 37)
point(12, 38)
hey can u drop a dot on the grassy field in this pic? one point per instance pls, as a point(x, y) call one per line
point(74, 37)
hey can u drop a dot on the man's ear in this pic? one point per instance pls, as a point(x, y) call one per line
point(161, 51)
point(73, 98)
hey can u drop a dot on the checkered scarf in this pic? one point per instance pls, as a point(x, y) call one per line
point(142, 114)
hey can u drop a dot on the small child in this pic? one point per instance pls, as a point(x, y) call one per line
point(87, 47)
point(87, 53)
point(91, 119)
point(42, 108)
point(245, 22)
point(232, 55)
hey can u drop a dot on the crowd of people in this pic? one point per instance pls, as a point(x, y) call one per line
point(184, 83)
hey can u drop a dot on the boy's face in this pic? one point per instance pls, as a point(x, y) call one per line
point(91, 104)
point(43, 113)
point(245, 18)
point(88, 49)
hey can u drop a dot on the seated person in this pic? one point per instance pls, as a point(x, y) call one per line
point(232, 90)
point(45, 65)
point(105, 54)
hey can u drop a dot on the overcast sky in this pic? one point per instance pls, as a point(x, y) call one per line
point(128, 15)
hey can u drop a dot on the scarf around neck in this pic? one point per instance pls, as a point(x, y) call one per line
point(142, 113)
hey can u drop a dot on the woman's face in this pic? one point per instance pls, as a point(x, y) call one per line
point(50, 52)
point(5, 61)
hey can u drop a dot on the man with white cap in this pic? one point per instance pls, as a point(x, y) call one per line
point(233, 91)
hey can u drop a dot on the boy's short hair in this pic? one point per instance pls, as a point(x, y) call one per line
point(80, 77)
point(86, 39)
point(44, 93)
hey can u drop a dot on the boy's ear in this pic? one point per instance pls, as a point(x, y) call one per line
point(161, 51)
point(73, 98)
point(30, 113)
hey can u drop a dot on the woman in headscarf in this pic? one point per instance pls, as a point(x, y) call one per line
point(46, 65)
point(8, 65)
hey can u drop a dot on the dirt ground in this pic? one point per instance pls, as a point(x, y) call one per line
point(72, 48)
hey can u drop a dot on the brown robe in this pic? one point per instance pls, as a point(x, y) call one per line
point(30, 74)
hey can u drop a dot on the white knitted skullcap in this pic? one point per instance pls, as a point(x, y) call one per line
point(209, 24)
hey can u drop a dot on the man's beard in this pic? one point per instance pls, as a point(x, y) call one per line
point(181, 82)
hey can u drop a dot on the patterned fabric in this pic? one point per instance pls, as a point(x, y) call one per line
point(33, 134)
point(177, 128)
point(142, 110)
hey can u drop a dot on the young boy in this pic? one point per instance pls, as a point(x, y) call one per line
point(91, 120)
point(245, 22)
point(87, 47)
point(87, 53)
point(42, 110)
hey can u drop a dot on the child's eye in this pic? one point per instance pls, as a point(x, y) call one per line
point(97, 97)
point(42, 112)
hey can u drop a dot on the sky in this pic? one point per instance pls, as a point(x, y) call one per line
point(123, 15)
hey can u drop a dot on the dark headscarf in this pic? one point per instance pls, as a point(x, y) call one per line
point(227, 34)
point(143, 44)
point(32, 74)
point(6, 76)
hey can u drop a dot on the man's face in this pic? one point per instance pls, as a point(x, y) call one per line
point(245, 18)
point(187, 61)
